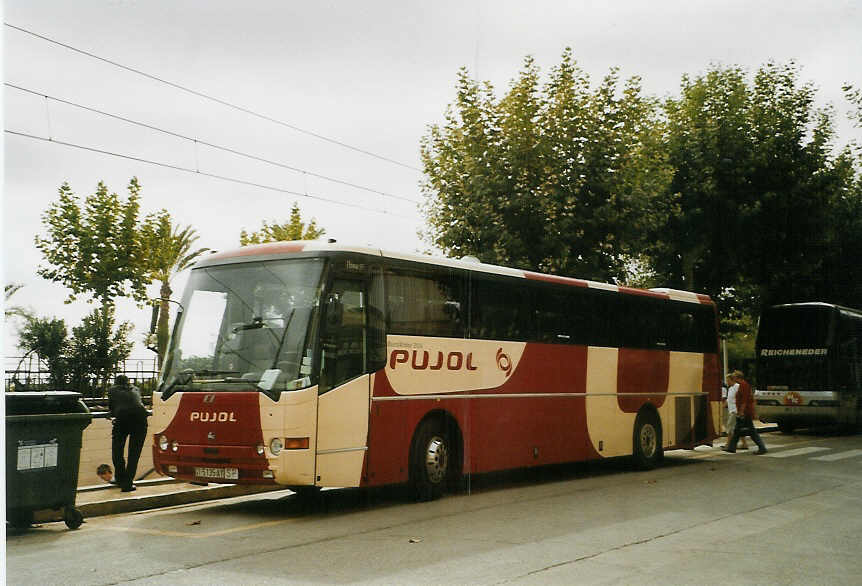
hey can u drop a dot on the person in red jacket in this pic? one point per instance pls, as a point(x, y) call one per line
point(745, 415)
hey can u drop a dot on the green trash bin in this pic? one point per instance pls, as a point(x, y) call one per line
point(43, 452)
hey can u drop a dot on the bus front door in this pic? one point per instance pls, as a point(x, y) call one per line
point(343, 404)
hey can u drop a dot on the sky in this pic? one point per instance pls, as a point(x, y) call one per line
point(343, 92)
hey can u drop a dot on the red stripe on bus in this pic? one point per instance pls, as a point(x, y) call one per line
point(555, 279)
point(259, 249)
point(642, 372)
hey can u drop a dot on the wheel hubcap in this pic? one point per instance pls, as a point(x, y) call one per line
point(648, 440)
point(436, 459)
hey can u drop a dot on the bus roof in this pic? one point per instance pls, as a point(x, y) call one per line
point(285, 249)
point(817, 304)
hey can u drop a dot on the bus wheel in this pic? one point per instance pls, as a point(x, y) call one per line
point(430, 461)
point(785, 427)
point(306, 493)
point(647, 450)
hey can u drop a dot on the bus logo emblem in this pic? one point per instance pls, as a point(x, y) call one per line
point(213, 416)
point(209, 398)
point(504, 362)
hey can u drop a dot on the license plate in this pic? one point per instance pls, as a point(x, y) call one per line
point(219, 473)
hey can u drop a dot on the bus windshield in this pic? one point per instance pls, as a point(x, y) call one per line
point(794, 327)
point(247, 326)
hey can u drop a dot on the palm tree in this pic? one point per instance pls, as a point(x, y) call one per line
point(168, 251)
point(14, 310)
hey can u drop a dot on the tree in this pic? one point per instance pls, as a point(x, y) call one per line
point(96, 249)
point(168, 252)
point(47, 338)
point(11, 311)
point(756, 185)
point(293, 229)
point(558, 178)
point(96, 347)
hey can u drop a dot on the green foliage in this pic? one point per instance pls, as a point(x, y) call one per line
point(293, 229)
point(94, 249)
point(13, 310)
point(48, 339)
point(854, 96)
point(758, 189)
point(559, 178)
point(96, 347)
point(168, 251)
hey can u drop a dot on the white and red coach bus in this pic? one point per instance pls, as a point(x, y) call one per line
point(309, 364)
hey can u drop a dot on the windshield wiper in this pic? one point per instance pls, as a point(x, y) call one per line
point(255, 324)
point(283, 336)
point(212, 372)
point(182, 378)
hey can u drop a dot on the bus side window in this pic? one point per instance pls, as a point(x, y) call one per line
point(376, 322)
point(426, 303)
point(553, 316)
point(500, 310)
point(343, 341)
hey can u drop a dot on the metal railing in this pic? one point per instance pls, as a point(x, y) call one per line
point(31, 373)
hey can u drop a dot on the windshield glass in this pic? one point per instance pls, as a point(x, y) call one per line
point(794, 327)
point(246, 326)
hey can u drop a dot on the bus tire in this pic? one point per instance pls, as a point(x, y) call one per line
point(647, 449)
point(430, 461)
point(306, 494)
point(785, 426)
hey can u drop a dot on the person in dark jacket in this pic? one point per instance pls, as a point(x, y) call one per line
point(130, 422)
point(744, 416)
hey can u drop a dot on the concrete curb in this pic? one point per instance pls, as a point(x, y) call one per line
point(131, 504)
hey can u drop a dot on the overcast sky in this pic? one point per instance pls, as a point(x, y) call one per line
point(372, 75)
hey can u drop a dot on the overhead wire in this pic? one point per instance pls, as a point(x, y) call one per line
point(211, 98)
point(203, 173)
point(197, 142)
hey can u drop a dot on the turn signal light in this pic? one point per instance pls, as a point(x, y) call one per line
point(296, 443)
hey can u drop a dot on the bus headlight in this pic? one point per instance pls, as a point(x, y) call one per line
point(163, 443)
point(175, 446)
point(275, 446)
point(261, 449)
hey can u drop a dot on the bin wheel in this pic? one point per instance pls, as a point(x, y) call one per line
point(72, 517)
point(20, 519)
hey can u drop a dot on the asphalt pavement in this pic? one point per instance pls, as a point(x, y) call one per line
point(107, 499)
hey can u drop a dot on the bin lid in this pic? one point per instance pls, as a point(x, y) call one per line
point(35, 402)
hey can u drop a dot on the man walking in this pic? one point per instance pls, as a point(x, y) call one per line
point(130, 422)
point(745, 415)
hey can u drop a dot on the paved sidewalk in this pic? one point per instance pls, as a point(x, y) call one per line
point(95, 501)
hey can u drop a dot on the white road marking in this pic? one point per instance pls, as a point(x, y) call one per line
point(839, 456)
point(796, 452)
